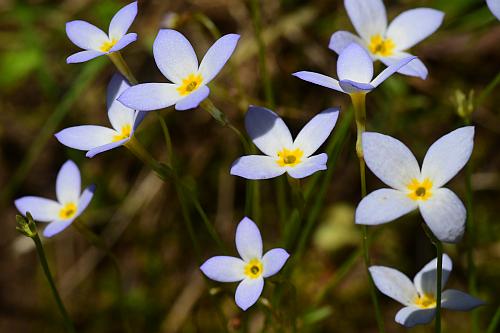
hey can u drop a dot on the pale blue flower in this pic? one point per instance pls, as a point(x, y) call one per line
point(251, 269)
point(494, 6)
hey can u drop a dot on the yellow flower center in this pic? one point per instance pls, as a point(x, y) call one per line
point(288, 157)
point(426, 301)
point(125, 133)
point(380, 46)
point(254, 268)
point(420, 190)
point(106, 46)
point(68, 211)
point(190, 84)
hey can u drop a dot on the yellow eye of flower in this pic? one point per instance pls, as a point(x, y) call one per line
point(68, 211)
point(380, 46)
point(254, 268)
point(420, 190)
point(125, 133)
point(425, 301)
point(106, 46)
point(190, 84)
point(288, 157)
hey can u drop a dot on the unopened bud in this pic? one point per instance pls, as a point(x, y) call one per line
point(26, 225)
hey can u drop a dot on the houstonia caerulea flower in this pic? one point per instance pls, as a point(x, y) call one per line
point(177, 61)
point(494, 6)
point(388, 43)
point(355, 72)
point(270, 134)
point(393, 163)
point(69, 205)
point(419, 296)
point(95, 41)
point(251, 269)
point(98, 139)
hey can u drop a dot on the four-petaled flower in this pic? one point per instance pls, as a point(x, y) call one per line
point(388, 43)
point(251, 269)
point(177, 61)
point(69, 205)
point(494, 6)
point(393, 163)
point(98, 139)
point(95, 41)
point(270, 134)
point(355, 72)
point(419, 296)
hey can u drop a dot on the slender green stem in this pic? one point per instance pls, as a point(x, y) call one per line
point(164, 172)
point(121, 65)
point(166, 136)
point(494, 322)
point(488, 90)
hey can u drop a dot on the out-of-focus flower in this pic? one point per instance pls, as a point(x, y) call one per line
point(388, 43)
point(251, 269)
point(69, 205)
point(270, 134)
point(95, 41)
point(98, 139)
point(355, 72)
point(419, 296)
point(494, 6)
point(393, 163)
point(177, 61)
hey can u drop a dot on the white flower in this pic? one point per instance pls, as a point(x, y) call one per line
point(69, 205)
point(494, 6)
point(251, 269)
point(393, 163)
point(388, 43)
point(419, 296)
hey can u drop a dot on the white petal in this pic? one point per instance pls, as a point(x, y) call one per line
point(425, 280)
point(390, 160)
point(355, 64)
point(319, 79)
point(412, 315)
point(267, 130)
point(119, 115)
point(192, 100)
point(448, 155)
point(316, 131)
point(85, 137)
point(494, 6)
point(368, 17)
point(341, 39)
point(382, 206)
point(445, 215)
point(248, 292)
point(350, 87)
point(85, 199)
point(308, 166)
point(56, 227)
point(224, 269)
point(42, 210)
point(412, 26)
point(273, 261)
point(459, 301)
point(386, 73)
point(68, 183)
point(217, 56)
point(83, 56)
point(394, 284)
point(123, 19)
point(86, 35)
point(174, 55)
point(414, 68)
point(248, 240)
point(101, 149)
point(257, 167)
point(150, 96)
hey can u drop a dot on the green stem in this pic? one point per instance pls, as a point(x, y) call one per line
point(439, 253)
point(120, 64)
point(166, 136)
point(142, 154)
point(494, 322)
point(488, 90)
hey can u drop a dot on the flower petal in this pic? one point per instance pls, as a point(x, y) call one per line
point(494, 6)
point(121, 22)
point(248, 292)
point(309, 166)
point(85, 35)
point(150, 96)
point(384, 75)
point(341, 39)
point(414, 68)
point(85, 137)
point(368, 17)
point(174, 55)
point(412, 315)
point(119, 115)
point(273, 261)
point(68, 183)
point(224, 269)
point(56, 227)
point(319, 79)
point(192, 100)
point(425, 280)
point(355, 64)
point(217, 56)
point(42, 210)
point(412, 26)
point(445, 215)
point(248, 240)
point(459, 301)
point(394, 284)
point(124, 41)
point(382, 206)
point(267, 130)
point(390, 160)
point(101, 149)
point(350, 87)
point(85, 199)
point(316, 131)
point(256, 167)
point(83, 56)
point(448, 155)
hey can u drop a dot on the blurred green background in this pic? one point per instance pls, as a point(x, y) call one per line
point(141, 217)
